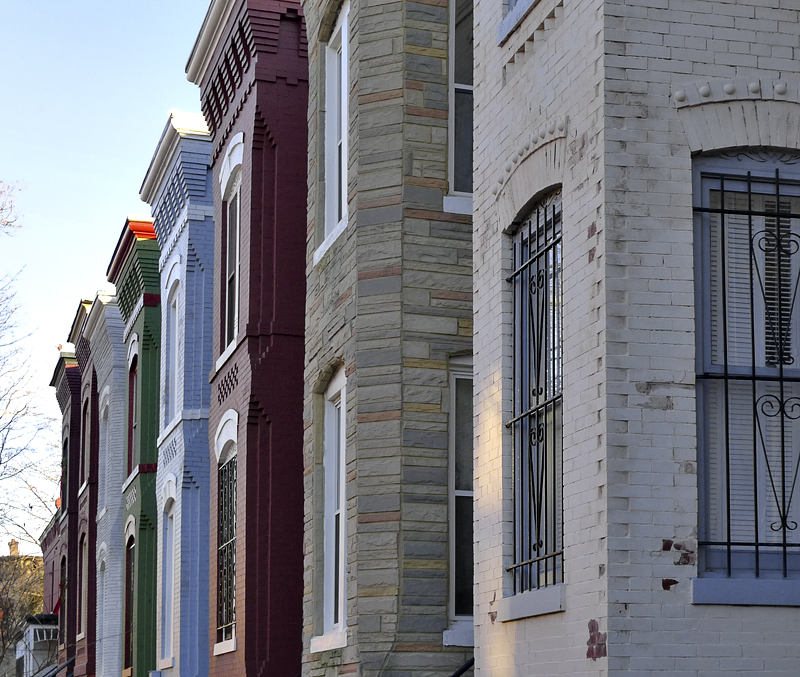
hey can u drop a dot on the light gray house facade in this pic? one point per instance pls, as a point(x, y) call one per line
point(177, 187)
point(635, 246)
point(103, 331)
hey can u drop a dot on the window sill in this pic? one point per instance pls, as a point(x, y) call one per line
point(228, 646)
point(101, 514)
point(83, 488)
point(513, 19)
point(168, 429)
point(333, 640)
point(130, 479)
point(165, 663)
point(226, 353)
point(127, 672)
point(746, 592)
point(329, 240)
point(458, 204)
point(80, 636)
point(539, 602)
point(460, 633)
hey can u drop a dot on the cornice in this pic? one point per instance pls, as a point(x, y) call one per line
point(179, 126)
point(79, 321)
point(134, 229)
point(205, 45)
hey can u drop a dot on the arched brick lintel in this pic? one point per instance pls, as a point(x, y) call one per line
point(763, 119)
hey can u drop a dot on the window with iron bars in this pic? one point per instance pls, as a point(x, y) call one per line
point(747, 262)
point(226, 550)
point(537, 399)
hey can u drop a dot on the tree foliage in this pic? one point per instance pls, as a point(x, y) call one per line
point(21, 591)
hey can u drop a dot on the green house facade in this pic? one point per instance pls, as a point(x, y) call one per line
point(134, 271)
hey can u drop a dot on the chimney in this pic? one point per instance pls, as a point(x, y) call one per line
point(13, 548)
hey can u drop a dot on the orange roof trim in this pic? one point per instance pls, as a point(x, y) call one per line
point(143, 230)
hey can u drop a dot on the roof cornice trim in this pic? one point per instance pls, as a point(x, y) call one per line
point(210, 34)
point(166, 150)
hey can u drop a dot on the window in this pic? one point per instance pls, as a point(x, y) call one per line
point(102, 461)
point(226, 549)
point(232, 256)
point(100, 621)
point(62, 603)
point(225, 450)
point(460, 632)
point(461, 49)
point(537, 399)
point(130, 581)
point(85, 449)
point(167, 579)
point(335, 514)
point(747, 221)
point(133, 414)
point(336, 126)
point(171, 358)
point(83, 582)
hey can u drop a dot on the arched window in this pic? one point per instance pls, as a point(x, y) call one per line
point(130, 583)
point(85, 447)
point(83, 582)
point(133, 413)
point(226, 450)
point(62, 603)
point(167, 578)
point(171, 345)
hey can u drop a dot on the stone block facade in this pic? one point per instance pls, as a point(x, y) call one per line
point(611, 103)
point(388, 314)
point(178, 188)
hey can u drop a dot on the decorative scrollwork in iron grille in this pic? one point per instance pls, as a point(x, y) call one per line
point(226, 596)
point(748, 239)
point(537, 422)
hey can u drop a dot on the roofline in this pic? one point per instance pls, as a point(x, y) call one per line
point(164, 153)
point(134, 229)
point(210, 33)
point(64, 357)
point(79, 322)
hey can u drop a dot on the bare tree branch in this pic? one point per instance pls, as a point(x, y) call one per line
point(8, 217)
point(28, 465)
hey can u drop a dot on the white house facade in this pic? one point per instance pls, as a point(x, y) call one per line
point(636, 246)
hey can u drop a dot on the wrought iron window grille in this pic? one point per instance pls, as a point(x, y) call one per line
point(226, 552)
point(537, 399)
point(748, 380)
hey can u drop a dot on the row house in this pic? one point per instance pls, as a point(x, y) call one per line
point(99, 349)
point(388, 368)
point(178, 188)
point(134, 272)
point(250, 63)
point(637, 219)
point(61, 538)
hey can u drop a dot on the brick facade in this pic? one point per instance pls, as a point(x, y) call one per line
point(609, 101)
point(177, 187)
point(250, 63)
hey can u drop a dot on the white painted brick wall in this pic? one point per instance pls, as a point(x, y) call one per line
point(629, 452)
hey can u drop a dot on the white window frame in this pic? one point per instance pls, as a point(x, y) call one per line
point(172, 343)
point(334, 621)
point(226, 449)
point(457, 202)
point(234, 191)
point(336, 131)
point(460, 630)
point(83, 577)
point(168, 580)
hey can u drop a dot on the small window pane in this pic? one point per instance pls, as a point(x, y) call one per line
point(463, 43)
point(463, 560)
point(463, 142)
point(463, 434)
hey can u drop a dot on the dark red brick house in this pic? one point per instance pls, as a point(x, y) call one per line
point(250, 61)
point(60, 540)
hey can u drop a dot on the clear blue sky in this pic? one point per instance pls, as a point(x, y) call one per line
point(87, 89)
